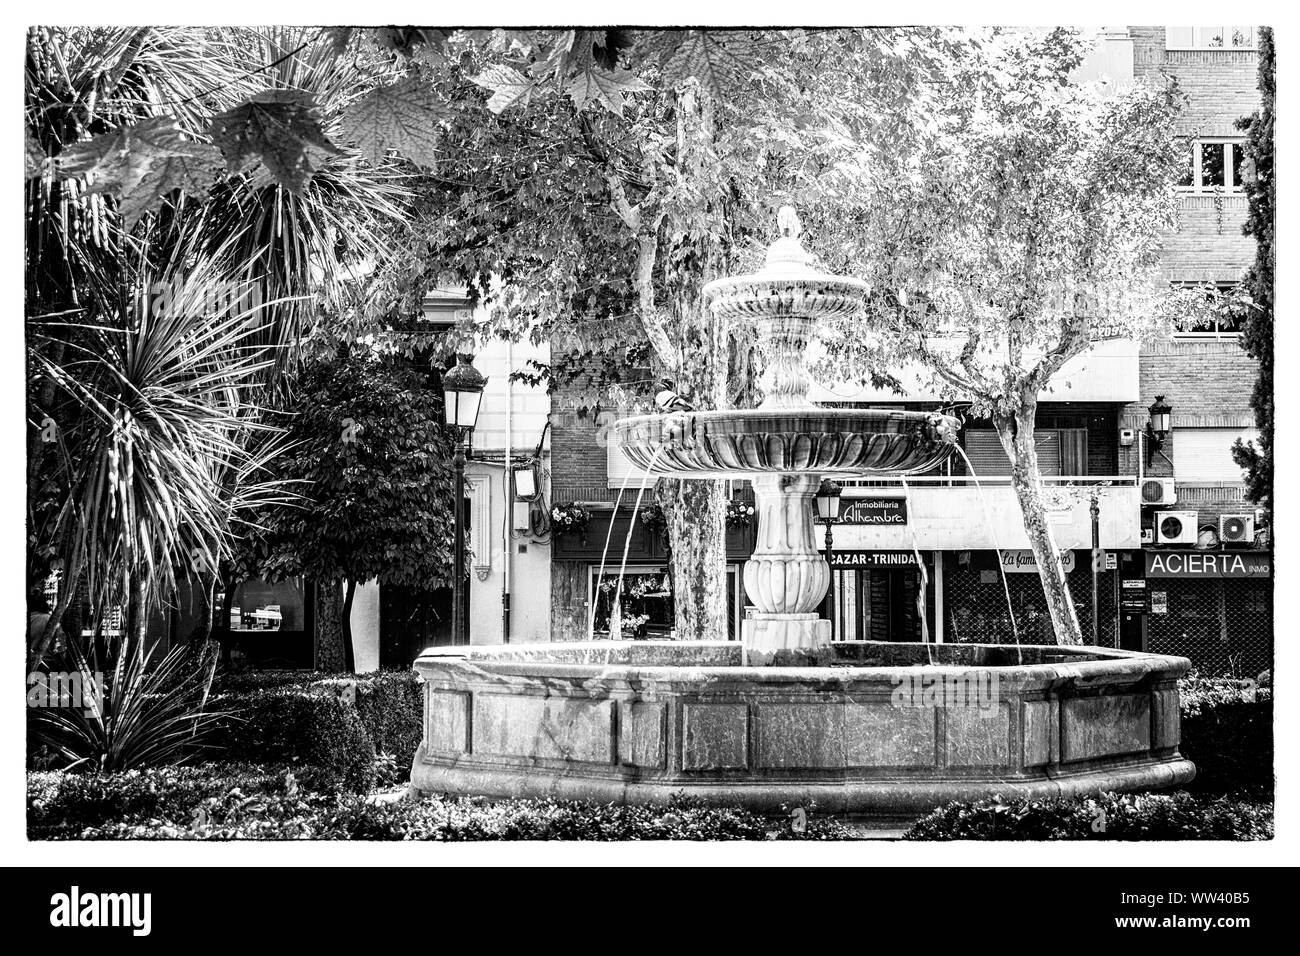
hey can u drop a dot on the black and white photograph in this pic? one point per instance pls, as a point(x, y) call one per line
point(761, 440)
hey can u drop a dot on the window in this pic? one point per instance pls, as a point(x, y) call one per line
point(1216, 166)
point(1205, 454)
point(1219, 322)
point(645, 604)
point(1061, 451)
point(1209, 38)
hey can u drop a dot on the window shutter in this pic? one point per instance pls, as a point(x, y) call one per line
point(1205, 454)
point(987, 457)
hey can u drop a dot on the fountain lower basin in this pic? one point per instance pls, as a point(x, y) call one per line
point(870, 729)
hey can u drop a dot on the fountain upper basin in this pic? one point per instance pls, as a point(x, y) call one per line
point(812, 440)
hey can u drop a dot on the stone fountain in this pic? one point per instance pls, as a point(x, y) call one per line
point(788, 443)
point(882, 729)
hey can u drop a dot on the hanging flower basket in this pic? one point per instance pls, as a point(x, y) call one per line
point(654, 519)
point(570, 519)
point(739, 514)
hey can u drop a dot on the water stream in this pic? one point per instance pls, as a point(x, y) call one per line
point(993, 533)
point(616, 607)
point(600, 575)
point(925, 577)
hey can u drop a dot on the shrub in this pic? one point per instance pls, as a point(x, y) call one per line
point(228, 801)
point(333, 727)
point(151, 709)
point(1227, 731)
point(1140, 816)
point(319, 733)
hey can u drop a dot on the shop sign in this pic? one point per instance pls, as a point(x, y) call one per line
point(1022, 562)
point(1133, 596)
point(874, 511)
point(1207, 564)
point(873, 559)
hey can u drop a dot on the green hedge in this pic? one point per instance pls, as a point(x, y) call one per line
point(229, 802)
point(1227, 731)
point(333, 728)
point(1132, 816)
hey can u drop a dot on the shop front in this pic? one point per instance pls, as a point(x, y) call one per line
point(882, 596)
point(1214, 607)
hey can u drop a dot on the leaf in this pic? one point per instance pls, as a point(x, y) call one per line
point(716, 60)
point(142, 164)
point(278, 127)
point(338, 39)
point(605, 86)
point(403, 116)
point(509, 87)
point(34, 156)
point(116, 161)
point(193, 171)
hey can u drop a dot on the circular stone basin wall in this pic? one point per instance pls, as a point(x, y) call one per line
point(867, 728)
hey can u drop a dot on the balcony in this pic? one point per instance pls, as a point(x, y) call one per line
point(1108, 372)
point(945, 514)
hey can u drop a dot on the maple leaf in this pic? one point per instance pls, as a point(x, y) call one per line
point(716, 60)
point(192, 170)
point(116, 161)
point(278, 127)
point(142, 164)
point(34, 156)
point(403, 116)
point(508, 86)
point(605, 86)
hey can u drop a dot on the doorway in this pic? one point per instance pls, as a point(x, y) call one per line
point(877, 604)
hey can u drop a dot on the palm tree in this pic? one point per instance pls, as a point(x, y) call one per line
point(142, 419)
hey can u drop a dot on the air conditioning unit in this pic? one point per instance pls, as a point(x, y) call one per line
point(1175, 527)
point(1158, 491)
point(1237, 529)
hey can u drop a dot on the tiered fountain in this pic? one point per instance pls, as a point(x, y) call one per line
point(787, 444)
point(886, 729)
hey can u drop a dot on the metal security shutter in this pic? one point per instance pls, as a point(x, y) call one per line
point(986, 454)
point(1205, 454)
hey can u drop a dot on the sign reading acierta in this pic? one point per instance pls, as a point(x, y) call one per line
point(1207, 564)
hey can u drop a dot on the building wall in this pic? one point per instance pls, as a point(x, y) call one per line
point(1208, 381)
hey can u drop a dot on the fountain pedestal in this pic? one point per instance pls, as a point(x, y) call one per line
point(786, 578)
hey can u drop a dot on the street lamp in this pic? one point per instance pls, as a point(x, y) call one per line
point(462, 389)
point(1159, 426)
point(828, 512)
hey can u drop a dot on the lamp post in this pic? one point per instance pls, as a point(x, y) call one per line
point(462, 390)
point(828, 512)
point(1158, 427)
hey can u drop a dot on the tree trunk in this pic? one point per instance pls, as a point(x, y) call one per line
point(221, 630)
point(330, 655)
point(1016, 432)
point(349, 655)
point(697, 534)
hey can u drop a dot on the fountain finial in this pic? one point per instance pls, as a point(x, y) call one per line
point(787, 222)
point(787, 254)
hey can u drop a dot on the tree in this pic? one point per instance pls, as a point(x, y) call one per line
point(1257, 337)
point(159, 277)
point(611, 174)
point(369, 456)
point(1016, 229)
